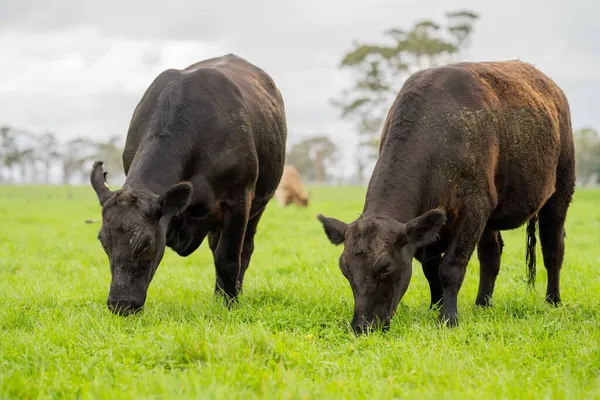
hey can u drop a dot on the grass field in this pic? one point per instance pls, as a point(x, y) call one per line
point(289, 337)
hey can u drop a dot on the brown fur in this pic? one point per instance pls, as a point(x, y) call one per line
point(290, 189)
point(491, 144)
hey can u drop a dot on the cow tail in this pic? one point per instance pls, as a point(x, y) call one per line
point(530, 253)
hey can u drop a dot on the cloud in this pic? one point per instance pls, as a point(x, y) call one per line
point(63, 84)
point(141, 19)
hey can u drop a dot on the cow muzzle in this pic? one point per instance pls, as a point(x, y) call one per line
point(124, 307)
point(127, 293)
point(364, 326)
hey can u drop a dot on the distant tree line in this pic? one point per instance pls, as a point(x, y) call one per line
point(31, 158)
point(587, 156)
point(34, 158)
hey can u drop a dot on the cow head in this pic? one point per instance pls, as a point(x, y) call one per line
point(306, 198)
point(377, 261)
point(301, 201)
point(133, 236)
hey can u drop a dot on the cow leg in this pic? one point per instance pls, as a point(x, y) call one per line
point(213, 239)
point(227, 253)
point(248, 247)
point(489, 252)
point(282, 197)
point(213, 242)
point(552, 237)
point(454, 262)
point(431, 271)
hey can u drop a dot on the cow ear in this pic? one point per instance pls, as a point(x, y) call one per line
point(175, 200)
point(426, 228)
point(334, 229)
point(98, 181)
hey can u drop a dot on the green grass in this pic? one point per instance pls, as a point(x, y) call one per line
point(289, 337)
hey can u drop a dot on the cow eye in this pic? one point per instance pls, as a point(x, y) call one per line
point(386, 269)
point(146, 245)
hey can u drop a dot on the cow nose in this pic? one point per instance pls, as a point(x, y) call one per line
point(361, 329)
point(123, 307)
point(365, 328)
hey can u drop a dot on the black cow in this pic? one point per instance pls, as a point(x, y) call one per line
point(204, 155)
point(467, 150)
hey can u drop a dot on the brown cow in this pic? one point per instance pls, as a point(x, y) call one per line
point(290, 189)
point(467, 150)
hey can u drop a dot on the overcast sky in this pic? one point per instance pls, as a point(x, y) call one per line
point(79, 67)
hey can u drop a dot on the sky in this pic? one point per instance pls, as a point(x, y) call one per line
point(79, 67)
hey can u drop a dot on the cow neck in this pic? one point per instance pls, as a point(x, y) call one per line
point(155, 167)
point(394, 189)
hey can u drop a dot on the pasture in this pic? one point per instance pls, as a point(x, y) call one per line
point(289, 337)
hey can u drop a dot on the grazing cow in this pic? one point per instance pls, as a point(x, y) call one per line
point(204, 155)
point(290, 188)
point(467, 150)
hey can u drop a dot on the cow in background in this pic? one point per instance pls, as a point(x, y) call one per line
point(290, 188)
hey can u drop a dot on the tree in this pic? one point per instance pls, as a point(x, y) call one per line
point(27, 143)
point(460, 26)
point(587, 156)
point(26, 162)
point(17, 152)
point(75, 156)
point(5, 145)
point(47, 153)
point(310, 157)
point(110, 152)
point(380, 69)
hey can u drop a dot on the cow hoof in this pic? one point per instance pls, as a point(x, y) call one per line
point(448, 320)
point(553, 299)
point(229, 297)
point(484, 302)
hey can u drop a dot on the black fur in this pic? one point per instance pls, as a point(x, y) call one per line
point(204, 155)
